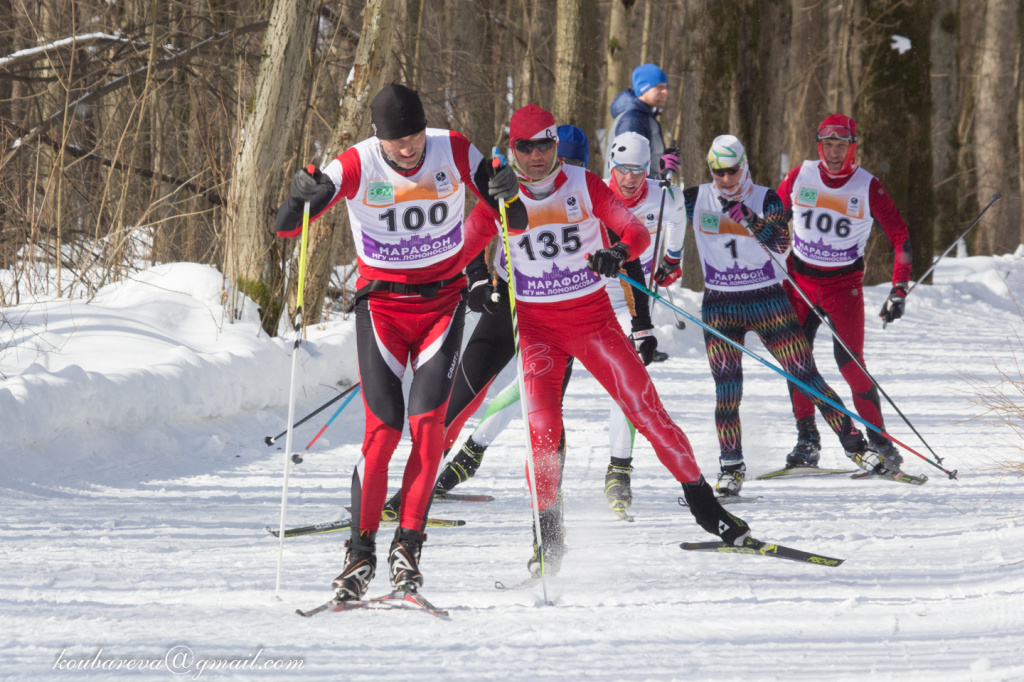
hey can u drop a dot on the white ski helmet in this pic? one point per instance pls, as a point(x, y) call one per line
point(726, 151)
point(630, 149)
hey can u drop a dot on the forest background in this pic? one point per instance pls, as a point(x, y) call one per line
point(154, 131)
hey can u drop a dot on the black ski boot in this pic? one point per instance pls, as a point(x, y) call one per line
point(712, 516)
point(360, 567)
point(892, 460)
point(404, 560)
point(462, 467)
point(808, 445)
point(616, 484)
point(730, 480)
point(552, 533)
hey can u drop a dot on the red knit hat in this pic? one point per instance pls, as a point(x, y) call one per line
point(840, 127)
point(532, 122)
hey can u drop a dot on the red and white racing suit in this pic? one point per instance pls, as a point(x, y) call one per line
point(832, 221)
point(563, 310)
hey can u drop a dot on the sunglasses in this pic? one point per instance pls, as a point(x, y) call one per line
point(572, 162)
point(527, 146)
point(835, 132)
point(722, 172)
point(632, 170)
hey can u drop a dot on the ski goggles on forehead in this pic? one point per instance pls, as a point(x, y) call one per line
point(527, 146)
point(722, 172)
point(630, 169)
point(836, 132)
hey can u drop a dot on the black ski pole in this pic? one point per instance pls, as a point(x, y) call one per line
point(995, 197)
point(835, 335)
point(270, 440)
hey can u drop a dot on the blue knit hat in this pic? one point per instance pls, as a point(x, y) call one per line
point(646, 76)
point(573, 144)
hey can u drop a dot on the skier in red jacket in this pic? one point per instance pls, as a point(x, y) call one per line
point(563, 310)
point(834, 203)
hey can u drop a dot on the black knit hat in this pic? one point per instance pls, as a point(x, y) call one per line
point(396, 111)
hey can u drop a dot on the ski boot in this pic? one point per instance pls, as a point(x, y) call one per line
point(552, 533)
point(808, 445)
point(404, 559)
point(863, 456)
point(616, 484)
point(462, 467)
point(892, 460)
point(730, 480)
point(360, 567)
point(712, 516)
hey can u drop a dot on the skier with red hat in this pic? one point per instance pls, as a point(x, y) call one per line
point(563, 311)
point(834, 204)
point(405, 191)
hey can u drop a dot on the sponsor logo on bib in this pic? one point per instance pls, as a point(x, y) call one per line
point(650, 221)
point(807, 196)
point(853, 207)
point(380, 193)
point(442, 182)
point(709, 223)
point(572, 209)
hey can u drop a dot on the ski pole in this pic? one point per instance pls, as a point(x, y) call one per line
point(497, 162)
point(784, 373)
point(270, 440)
point(291, 393)
point(835, 335)
point(995, 197)
point(297, 458)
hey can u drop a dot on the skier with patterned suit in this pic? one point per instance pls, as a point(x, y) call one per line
point(563, 311)
point(834, 203)
point(736, 224)
point(405, 193)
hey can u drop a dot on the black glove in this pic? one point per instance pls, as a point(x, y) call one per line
point(306, 183)
point(893, 308)
point(504, 184)
point(483, 298)
point(608, 262)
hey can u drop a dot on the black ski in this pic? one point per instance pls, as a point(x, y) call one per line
point(462, 497)
point(345, 524)
point(399, 599)
point(752, 546)
point(897, 476)
point(792, 472)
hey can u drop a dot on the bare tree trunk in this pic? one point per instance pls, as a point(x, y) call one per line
point(806, 78)
point(617, 52)
point(945, 86)
point(647, 33)
point(266, 134)
point(375, 64)
point(894, 126)
point(568, 63)
point(995, 120)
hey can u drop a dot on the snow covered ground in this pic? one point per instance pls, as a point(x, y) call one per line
point(136, 487)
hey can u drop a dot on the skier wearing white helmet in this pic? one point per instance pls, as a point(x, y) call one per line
point(738, 226)
point(629, 158)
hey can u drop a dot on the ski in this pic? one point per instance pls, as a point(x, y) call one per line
point(752, 546)
point(345, 524)
point(737, 499)
point(521, 585)
point(803, 471)
point(461, 497)
point(897, 476)
point(399, 599)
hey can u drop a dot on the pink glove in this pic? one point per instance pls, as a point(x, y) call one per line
point(670, 162)
point(738, 212)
